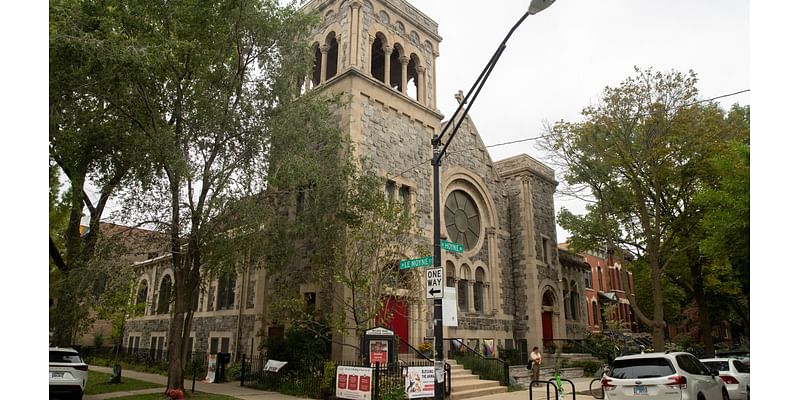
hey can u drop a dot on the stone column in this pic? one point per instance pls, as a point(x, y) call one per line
point(368, 62)
point(340, 56)
point(355, 24)
point(403, 74)
point(421, 84)
point(387, 54)
point(493, 275)
point(433, 79)
point(323, 72)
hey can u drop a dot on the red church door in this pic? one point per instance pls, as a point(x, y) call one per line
point(547, 328)
point(397, 311)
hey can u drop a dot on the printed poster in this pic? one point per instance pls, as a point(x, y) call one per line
point(354, 383)
point(378, 351)
point(419, 381)
point(212, 368)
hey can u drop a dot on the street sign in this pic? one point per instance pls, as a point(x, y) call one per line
point(416, 262)
point(435, 289)
point(450, 246)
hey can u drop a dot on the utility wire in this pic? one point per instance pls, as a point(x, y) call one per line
point(544, 136)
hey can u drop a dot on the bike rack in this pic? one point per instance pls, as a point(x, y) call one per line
point(549, 383)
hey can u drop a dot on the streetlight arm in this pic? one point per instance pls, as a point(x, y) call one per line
point(479, 85)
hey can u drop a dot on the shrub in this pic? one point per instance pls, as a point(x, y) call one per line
point(589, 366)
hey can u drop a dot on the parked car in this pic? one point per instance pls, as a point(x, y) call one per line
point(662, 376)
point(741, 355)
point(735, 373)
point(68, 373)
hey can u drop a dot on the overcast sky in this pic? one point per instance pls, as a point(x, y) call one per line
point(559, 61)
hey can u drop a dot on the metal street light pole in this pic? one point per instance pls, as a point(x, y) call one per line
point(438, 153)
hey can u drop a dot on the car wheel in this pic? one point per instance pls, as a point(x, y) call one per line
point(725, 395)
point(748, 392)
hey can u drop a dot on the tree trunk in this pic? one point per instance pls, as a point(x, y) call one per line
point(658, 305)
point(700, 298)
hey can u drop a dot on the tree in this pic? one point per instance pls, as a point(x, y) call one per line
point(641, 156)
point(211, 87)
point(93, 146)
point(359, 272)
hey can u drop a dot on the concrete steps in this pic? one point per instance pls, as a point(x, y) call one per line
point(465, 385)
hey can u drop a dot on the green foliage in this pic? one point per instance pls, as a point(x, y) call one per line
point(394, 391)
point(589, 366)
point(299, 347)
point(645, 154)
point(98, 384)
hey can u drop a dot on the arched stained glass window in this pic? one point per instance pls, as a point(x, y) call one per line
point(462, 219)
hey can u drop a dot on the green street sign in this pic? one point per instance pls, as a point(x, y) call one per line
point(416, 262)
point(450, 246)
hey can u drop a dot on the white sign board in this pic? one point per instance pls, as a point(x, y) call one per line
point(449, 307)
point(354, 383)
point(380, 332)
point(419, 382)
point(435, 279)
point(274, 365)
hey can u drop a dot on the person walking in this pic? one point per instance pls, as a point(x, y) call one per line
point(536, 362)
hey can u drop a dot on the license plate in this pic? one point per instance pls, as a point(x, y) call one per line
point(640, 390)
point(58, 375)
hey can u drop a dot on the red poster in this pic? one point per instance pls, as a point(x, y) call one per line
point(378, 351)
point(342, 381)
point(364, 384)
point(352, 382)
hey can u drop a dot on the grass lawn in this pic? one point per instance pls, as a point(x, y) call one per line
point(189, 395)
point(97, 384)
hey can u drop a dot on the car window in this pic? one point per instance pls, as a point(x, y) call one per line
point(687, 363)
point(717, 365)
point(740, 366)
point(699, 365)
point(65, 357)
point(641, 368)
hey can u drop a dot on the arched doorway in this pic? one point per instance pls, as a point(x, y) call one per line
point(548, 303)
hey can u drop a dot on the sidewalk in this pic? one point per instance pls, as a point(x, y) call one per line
point(234, 390)
point(228, 388)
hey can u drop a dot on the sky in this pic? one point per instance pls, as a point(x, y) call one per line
point(559, 60)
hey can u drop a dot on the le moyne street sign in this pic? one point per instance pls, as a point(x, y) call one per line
point(450, 246)
point(435, 278)
point(416, 262)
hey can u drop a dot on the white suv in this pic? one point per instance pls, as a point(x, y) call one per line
point(68, 372)
point(662, 376)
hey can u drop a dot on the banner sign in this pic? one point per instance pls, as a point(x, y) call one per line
point(354, 383)
point(419, 382)
point(212, 368)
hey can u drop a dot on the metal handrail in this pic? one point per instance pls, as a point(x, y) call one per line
point(504, 362)
point(447, 367)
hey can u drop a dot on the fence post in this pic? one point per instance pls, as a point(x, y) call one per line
point(242, 371)
point(194, 371)
point(376, 381)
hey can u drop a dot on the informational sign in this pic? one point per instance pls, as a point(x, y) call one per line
point(435, 279)
point(449, 307)
point(274, 365)
point(212, 368)
point(416, 262)
point(452, 247)
point(419, 382)
point(354, 383)
point(438, 367)
point(378, 351)
point(379, 331)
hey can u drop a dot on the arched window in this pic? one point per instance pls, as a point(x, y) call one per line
point(477, 289)
point(463, 289)
point(164, 295)
point(599, 279)
point(141, 298)
point(378, 58)
point(573, 299)
point(450, 273)
point(595, 313)
point(316, 74)
point(225, 291)
point(395, 71)
point(565, 295)
point(332, 63)
point(412, 79)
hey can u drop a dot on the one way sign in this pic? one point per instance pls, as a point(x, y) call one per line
point(435, 288)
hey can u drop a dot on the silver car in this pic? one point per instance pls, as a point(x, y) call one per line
point(662, 376)
point(68, 372)
point(735, 374)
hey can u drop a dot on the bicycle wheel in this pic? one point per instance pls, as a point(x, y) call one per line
point(596, 388)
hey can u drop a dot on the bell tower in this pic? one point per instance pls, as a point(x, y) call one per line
point(382, 55)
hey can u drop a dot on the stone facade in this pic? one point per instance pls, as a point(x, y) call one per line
point(382, 54)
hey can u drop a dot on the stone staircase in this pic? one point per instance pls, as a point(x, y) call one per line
point(465, 385)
